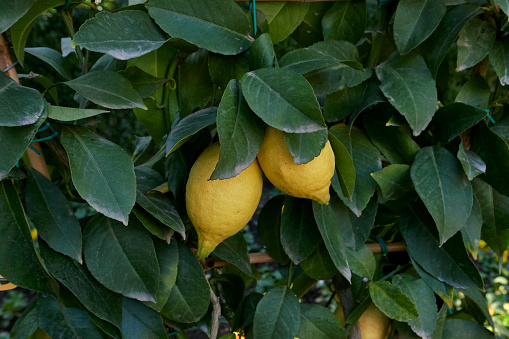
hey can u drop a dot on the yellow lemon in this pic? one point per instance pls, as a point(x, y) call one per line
point(311, 180)
point(374, 324)
point(220, 208)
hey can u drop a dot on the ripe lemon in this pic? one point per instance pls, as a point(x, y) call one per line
point(374, 324)
point(220, 208)
point(311, 180)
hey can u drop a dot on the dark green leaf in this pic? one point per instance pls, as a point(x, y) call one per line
point(361, 262)
point(502, 128)
point(318, 322)
point(424, 300)
point(124, 34)
point(26, 324)
point(153, 119)
point(132, 268)
point(240, 133)
point(52, 320)
point(477, 299)
point(346, 20)
point(261, 53)
point(460, 328)
point(269, 228)
point(277, 315)
point(415, 21)
point(299, 235)
point(451, 120)
point(195, 87)
point(443, 187)
point(475, 92)
point(21, 105)
point(223, 68)
point(449, 263)
point(198, 20)
point(144, 83)
point(17, 248)
point(152, 224)
point(340, 104)
point(304, 147)
point(392, 301)
point(471, 233)
point(190, 297)
point(345, 168)
point(283, 99)
point(83, 323)
point(53, 58)
point(108, 89)
point(282, 17)
point(234, 251)
point(499, 59)
point(319, 264)
point(504, 5)
point(327, 224)
point(474, 43)
point(408, 84)
point(51, 214)
point(310, 30)
point(442, 289)
point(394, 181)
point(70, 114)
point(371, 95)
point(11, 12)
point(139, 321)
point(437, 45)
point(102, 172)
point(244, 314)
point(472, 164)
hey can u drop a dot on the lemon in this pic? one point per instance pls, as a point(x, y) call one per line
point(374, 324)
point(311, 180)
point(220, 208)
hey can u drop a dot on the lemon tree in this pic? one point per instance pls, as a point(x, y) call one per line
point(363, 143)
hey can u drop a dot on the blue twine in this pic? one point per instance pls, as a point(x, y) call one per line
point(489, 116)
point(54, 135)
point(252, 6)
point(34, 149)
point(42, 129)
point(173, 333)
point(385, 250)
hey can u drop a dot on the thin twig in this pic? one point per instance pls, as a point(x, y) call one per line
point(216, 314)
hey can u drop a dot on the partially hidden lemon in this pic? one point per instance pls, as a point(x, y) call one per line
point(311, 180)
point(219, 209)
point(374, 324)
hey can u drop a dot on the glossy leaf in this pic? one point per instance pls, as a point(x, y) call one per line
point(442, 289)
point(261, 53)
point(223, 68)
point(240, 133)
point(327, 224)
point(144, 83)
point(465, 328)
point(474, 43)
point(53, 58)
point(362, 262)
point(310, 30)
point(234, 251)
point(11, 12)
point(196, 21)
point(371, 95)
point(26, 324)
point(443, 187)
point(125, 34)
point(392, 301)
point(471, 233)
point(133, 270)
point(189, 126)
point(152, 224)
point(319, 322)
point(139, 321)
point(504, 5)
point(70, 114)
point(304, 147)
point(282, 18)
point(394, 181)
point(478, 300)
point(51, 214)
point(319, 264)
point(18, 248)
point(408, 84)
point(499, 59)
point(345, 168)
point(107, 89)
point(102, 172)
point(52, 320)
point(502, 129)
point(277, 315)
point(269, 228)
point(346, 20)
point(438, 44)
point(475, 92)
point(21, 105)
point(472, 164)
point(451, 120)
point(288, 101)
point(195, 86)
point(190, 297)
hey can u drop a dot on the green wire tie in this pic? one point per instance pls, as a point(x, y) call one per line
point(252, 6)
point(34, 149)
point(54, 135)
point(449, 309)
point(64, 7)
point(42, 129)
point(489, 116)
point(385, 250)
point(173, 333)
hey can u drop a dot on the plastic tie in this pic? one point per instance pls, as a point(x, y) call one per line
point(42, 129)
point(384, 2)
point(64, 7)
point(54, 135)
point(9, 67)
point(252, 6)
point(34, 149)
point(449, 309)
point(489, 116)
point(385, 250)
point(173, 333)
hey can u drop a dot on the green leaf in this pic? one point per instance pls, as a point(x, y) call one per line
point(132, 268)
point(475, 92)
point(282, 18)
point(474, 43)
point(310, 30)
point(494, 151)
point(102, 172)
point(472, 164)
point(448, 263)
point(26, 324)
point(52, 320)
point(51, 214)
point(198, 20)
point(442, 289)
point(12, 12)
point(397, 146)
point(443, 187)
point(408, 84)
point(240, 133)
point(362, 262)
point(144, 83)
point(394, 181)
point(392, 301)
point(366, 159)
point(495, 216)
point(96, 298)
point(269, 228)
point(53, 58)
point(299, 235)
point(83, 323)
point(190, 297)
point(277, 315)
point(108, 89)
point(471, 233)
point(327, 224)
point(502, 128)
point(319, 264)
point(478, 300)
point(451, 120)
point(261, 53)
point(125, 34)
point(283, 99)
point(223, 68)
point(157, 204)
point(345, 168)
point(461, 328)
point(346, 20)
point(21, 105)
point(152, 224)
point(17, 248)
point(438, 44)
point(304, 147)
point(415, 21)
point(139, 321)
point(234, 251)
point(70, 114)
point(195, 87)
point(188, 127)
point(504, 5)
point(424, 300)
point(371, 95)
point(319, 322)
point(244, 314)
point(499, 59)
